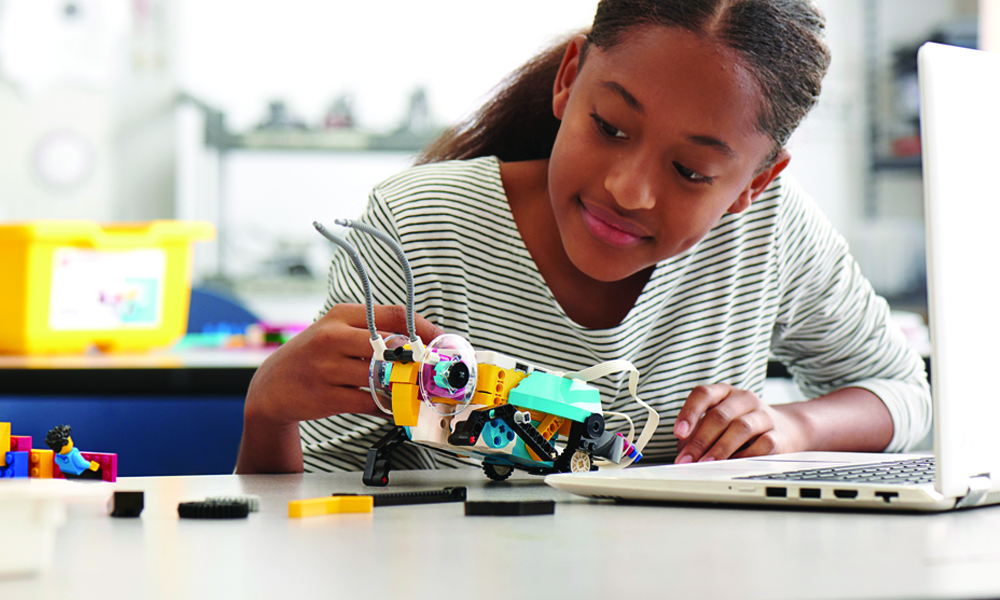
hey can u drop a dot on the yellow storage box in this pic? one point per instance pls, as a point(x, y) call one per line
point(66, 286)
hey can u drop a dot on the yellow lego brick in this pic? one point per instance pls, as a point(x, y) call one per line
point(405, 403)
point(330, 505)
point(4, 443)
point(40, 463)
point(493, 384)
point(404, 372)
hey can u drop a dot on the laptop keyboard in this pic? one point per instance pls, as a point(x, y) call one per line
point(913, 471)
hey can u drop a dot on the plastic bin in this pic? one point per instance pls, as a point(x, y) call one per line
point(70, 285)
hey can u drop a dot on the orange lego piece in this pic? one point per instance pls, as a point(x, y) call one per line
point(405, 404)
point(41, 463)
point(330, 505)
point(549, 426)
point(404, 372)
point(405, 393)
point(494, 383)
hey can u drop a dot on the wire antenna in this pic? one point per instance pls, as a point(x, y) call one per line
point(401, 257)
point(352, 252)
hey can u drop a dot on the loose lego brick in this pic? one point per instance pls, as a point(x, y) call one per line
point(15, 465)
point(213, 510)
point(327, 506)
point(41, 464)
point(252, 502)
point(108, 462)
point(126, 504)
point(510, 509)
point(20, 443)
point(4, 443)
point(448, 494)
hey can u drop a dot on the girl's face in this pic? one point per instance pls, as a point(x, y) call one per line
point(657, 142)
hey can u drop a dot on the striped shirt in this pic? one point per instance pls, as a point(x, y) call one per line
point(774, 281)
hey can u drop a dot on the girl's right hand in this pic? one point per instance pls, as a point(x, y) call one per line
point(316, 374)
point(320, 371)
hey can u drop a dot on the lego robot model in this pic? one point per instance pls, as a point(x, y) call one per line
point(449, 397)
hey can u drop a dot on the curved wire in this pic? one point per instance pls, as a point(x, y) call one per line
point(360, 268)
point(400, 256)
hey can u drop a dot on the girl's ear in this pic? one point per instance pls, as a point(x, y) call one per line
point(760, 182)
point(568, 71)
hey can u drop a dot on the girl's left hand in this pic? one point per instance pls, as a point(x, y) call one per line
point(720, 421)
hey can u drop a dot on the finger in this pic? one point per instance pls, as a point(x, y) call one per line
point(716, 420)
point(335, 337)
point(391, 318)
point(427, 330)
point(698, 402)
point(741, 430)
point(764, 445)
point(347, 372)
point(352, 400)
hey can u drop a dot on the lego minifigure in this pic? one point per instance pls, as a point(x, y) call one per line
point(68, 458)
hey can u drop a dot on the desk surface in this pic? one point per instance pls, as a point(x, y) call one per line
point(586, 550)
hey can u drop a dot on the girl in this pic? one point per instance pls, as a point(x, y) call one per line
point(621, 198)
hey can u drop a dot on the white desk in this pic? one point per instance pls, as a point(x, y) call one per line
point(586, 550)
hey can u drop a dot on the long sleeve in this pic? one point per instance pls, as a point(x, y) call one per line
point(833, 331)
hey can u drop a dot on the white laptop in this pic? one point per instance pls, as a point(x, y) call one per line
point(960, 128)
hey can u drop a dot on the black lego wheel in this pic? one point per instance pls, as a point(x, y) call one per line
point(497, 472)
point(594, 425)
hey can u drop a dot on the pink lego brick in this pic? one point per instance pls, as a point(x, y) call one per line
point(20, 443)
point(108, 462)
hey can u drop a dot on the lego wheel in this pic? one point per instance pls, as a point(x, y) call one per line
point(580, 462)
point(379, 372)
point(447, 378)
point(497, 472)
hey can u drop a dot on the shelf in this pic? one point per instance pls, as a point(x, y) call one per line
point(897, 163)
point(328, 141)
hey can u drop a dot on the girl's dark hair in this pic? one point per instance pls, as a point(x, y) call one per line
point(781, 42)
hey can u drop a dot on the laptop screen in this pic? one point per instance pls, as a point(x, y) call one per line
point(960, 134)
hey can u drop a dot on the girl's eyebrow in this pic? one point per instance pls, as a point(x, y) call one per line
point(625, 95)
point(714, 143)
point(701, 140)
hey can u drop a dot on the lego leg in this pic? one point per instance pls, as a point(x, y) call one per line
point(377, 463)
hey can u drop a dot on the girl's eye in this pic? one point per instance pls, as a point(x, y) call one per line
point(607, 128)
point(690, 175)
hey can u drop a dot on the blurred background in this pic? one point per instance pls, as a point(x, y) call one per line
point(262, 117)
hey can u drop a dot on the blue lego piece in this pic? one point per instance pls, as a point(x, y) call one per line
point(496, 434)
point(568, 398)
point(17, 465)
point(386, 373)
point(72, 462)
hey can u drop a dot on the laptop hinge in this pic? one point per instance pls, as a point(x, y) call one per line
point(979, 486)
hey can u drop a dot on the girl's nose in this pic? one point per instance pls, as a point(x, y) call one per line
point(633, 183)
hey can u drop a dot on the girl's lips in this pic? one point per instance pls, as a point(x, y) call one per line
point(613, 233)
